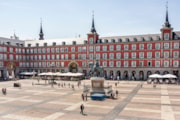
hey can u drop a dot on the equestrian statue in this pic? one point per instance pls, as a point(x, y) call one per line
point(97, 70)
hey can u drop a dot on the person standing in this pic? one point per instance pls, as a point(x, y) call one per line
point(82, 109)
point(82, 95)
point(86, 96)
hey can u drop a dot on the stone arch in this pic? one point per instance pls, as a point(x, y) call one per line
point(165, 72)
point(111, 74)
point(126, 75)
point(148, 73)
point(105, 73)
point(176, 72)
point(73, 67)
point(133, 75)
point(141, 75)
point(118, 75)
point(157, 72)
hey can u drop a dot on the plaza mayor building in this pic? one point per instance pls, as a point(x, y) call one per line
point(131, 57)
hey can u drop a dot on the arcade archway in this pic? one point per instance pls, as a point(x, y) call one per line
point(73, 67)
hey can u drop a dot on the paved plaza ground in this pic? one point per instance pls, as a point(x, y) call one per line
point(43, 102)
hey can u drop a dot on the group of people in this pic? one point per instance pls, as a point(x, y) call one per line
point(4, 91)
point(84, 97)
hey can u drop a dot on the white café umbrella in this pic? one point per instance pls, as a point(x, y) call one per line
point(155, 76)
point(169, 76)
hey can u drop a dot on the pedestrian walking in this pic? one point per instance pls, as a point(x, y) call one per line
point(82, 109)
point(86, 96)
point(117, 93)
point(82, 96)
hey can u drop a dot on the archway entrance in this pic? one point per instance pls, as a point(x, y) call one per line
point(11, 70)
point(126, 75)
point(141, 75)
point(165, 72)
point(148, 73)
point(111, 74)
point(73, 67)
point(175, 72)
point(105, 74)
point(118, 75)
point(133, 75)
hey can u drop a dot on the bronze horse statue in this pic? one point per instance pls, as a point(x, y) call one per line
point(97, 70)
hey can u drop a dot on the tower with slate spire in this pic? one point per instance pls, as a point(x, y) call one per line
point(41, 34)
point(92, 35)
point(167, 30)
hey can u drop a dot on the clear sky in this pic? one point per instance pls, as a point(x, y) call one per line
point(69, 18)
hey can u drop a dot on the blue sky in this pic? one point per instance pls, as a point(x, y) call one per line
point(69, 18)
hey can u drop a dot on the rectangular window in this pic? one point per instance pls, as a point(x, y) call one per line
point(104, 48)
point(175, 64)
point(57, 64)
point(57, 50)
point(104, 55)
point(66, 49)
point(126, 55)
point(91, 48)
point(141, 46)
point(166, 54)
point(166, 45)
point(73, 56)
point(84, 64)
point(62, 56)
point(157, 55)
point(166, 63)
point(57, 57)
point(84, 56)
point(97, 48)
point(149, 46)
point(133, 63)
point(66, 56)
point(39, 50)
point(111, 55)
point(111, 48)
point(79, 49)
point(126, 47)
point(149, 54)
point(176, 45)
point(125, 63)
point(62, 64)
point(141, 63)
point(48, 50)
point(118, 63)
point(91, 56)
point(157, 46)
point(133, 47)
point(176, 54)
point(97, 56)
point(73, 49)
point(118, 47)
point(157, 64)
point(111, 64)
point(133, 54)
point(141, 55)
point(118, 55)
point(104, 64)
point(62, 49)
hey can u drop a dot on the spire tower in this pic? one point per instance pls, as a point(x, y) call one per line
point(167, 24)
point(93, 30)
point(41, 34)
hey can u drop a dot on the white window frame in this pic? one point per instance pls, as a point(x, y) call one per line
point(126, 55)
point(149, 54)
point(166, 54)
point(141, 46)
point(133, 63)
point(133, 47)
point(126, 64)
point(118, 47)
point(175, 63)
point(166, 63)
point(126, 47)
point(166, 45)
point(111, 48)
point(176, 45)
point(157, 63)
point(157, 46)
point(149, 46)
point(118, 55)
point(118, 63)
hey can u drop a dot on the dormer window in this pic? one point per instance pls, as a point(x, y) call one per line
point(112, 40)
point(127, 39)
point(135, 39)
point(119, 40)
point(37, 44)
point(74, 42)
point(150, 39)
point(142, 39)
point(29, 45)
point(106, 41)
point(45, 44)
point(8, 43)
point(54, 43)
point(63, 43)
point(157, 38)
point(85, 41)
point(166, 36)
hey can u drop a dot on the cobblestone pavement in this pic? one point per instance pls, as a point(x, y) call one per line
point(44, 102)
